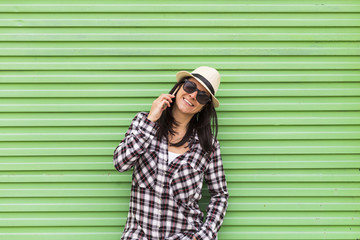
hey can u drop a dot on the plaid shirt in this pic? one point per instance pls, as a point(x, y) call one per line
point(164, 197)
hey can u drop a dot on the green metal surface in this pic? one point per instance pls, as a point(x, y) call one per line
point(73, 74)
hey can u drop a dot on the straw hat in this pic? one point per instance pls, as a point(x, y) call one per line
point(207, 76)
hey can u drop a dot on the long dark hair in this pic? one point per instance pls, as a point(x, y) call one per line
point(200, 122)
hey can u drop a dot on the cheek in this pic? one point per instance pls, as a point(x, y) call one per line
point(178, 98)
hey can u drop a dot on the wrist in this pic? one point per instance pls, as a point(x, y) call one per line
point(151, 119)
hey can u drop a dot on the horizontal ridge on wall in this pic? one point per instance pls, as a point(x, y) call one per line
point(192, 6)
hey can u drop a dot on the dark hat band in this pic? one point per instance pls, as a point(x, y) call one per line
point(204, 80)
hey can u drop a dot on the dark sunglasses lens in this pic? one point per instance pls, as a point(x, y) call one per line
point(189, 87)
point(202, 98)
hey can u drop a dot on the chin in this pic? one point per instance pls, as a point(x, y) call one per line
point(185, 110)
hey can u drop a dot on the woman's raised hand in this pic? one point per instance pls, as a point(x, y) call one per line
point(159, 105)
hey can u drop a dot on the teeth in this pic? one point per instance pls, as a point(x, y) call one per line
point(188, 102)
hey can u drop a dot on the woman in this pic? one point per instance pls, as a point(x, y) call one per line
point(172, 149)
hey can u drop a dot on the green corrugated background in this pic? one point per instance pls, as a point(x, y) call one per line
point(75, 73)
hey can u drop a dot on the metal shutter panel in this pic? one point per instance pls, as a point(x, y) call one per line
point(74, 74)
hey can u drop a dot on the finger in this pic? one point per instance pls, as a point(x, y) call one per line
point(169, 104)
point(168, 97)
point(163, 107)
point(165, 104)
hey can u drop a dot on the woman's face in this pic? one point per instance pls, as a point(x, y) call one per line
point(182, 99)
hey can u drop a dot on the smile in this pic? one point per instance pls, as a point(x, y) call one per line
point(189, 103)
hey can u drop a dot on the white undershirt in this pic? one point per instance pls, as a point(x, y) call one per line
point(172, 156)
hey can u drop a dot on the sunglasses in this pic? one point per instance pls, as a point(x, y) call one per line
point(201, 96)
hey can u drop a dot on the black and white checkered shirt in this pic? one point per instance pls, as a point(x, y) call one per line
point(164, 197)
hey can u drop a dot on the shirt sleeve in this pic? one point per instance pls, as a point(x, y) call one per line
point(215, 178)
point(137, 139)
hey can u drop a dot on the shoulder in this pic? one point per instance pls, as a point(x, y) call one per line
point(141, 120)
point(215, 141)
point(215, 147)
point(140, 116)
point(215, 144)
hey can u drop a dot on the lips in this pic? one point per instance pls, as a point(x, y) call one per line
point(188, 102)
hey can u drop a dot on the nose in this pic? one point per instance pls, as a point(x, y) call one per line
point(193, 95)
